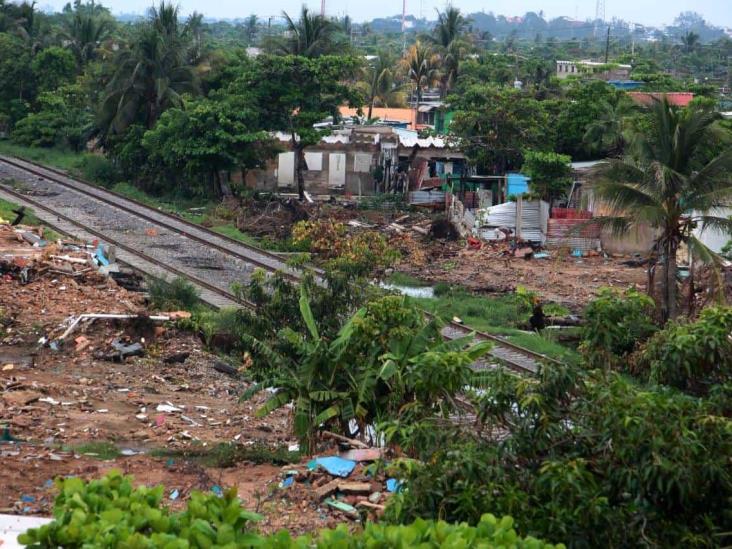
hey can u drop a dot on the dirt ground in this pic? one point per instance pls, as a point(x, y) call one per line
point(559, 278)
point(159, 412)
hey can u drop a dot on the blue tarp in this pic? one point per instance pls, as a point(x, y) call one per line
point(518, 184)
point(336, 466)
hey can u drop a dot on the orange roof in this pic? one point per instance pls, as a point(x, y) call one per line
point(677, 99)
point(385, 113)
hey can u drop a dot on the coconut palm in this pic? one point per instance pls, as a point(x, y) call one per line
point(84, 33)
point(447, 37)
point(608, 131)
point(672, 183)
point(310, 36)
point(151, 76)
point(421, 67)
point(382, 89)
point(250, 29)
point(690, 41)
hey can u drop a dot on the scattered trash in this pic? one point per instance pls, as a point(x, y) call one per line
point(541, 255)
point(345, 508)
point(177, 358)
point(335, 465)
point(286, 483)
point(27, 499)
point(124, 351)
point(168, 408)
point(375, 497)
point(216, 489)
point(363, 454)
point(577, 252)
point(174, 495)
point(393, 485)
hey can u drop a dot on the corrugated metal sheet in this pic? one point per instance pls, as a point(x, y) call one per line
point(422, 198)
point(534, 214)
point(570, 233)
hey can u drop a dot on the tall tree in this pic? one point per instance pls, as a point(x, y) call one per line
point(292, 93)
point(421, 66)
point(448, 38)
point(673, 182)
point(84, 33)
point(382, 88)
point(207, 138)
point(606, 134)
point(310, 36)
point(151, 75)
point(494, 125)
point(689, 40)
point(250, 29)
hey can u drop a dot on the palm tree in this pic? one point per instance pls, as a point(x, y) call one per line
point(382, 89)
point(447, 37)
point(250, 29)
point(84, 32)
point(151, 76)
point(607, 132)
point(420, 64)
point(690, 40)
point(309, 36)
point(671, 183)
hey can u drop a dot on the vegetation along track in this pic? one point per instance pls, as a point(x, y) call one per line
point(180, 248)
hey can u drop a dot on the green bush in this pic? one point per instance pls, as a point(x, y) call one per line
point(386, 361)
point(615, 323)
point(99, 169)
point(690, 356)
point(177, 294)
point(573, 455)
point(62, 120)
point(111, 513)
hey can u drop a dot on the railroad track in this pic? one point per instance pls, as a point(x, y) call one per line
point(137, 245)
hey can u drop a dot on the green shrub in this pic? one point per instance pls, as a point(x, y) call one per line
point(178, 294)
point(690, 356)
point(615, 323)
point(99, 169)
point(574, 455)
point(110, 513)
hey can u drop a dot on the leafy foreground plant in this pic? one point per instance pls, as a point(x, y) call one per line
point(691, 356)
point(615, 323)
point(109, 512)
point(386, 361)
point(591, 459)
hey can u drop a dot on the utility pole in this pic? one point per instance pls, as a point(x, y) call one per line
point(607, 45)
point(322, 8)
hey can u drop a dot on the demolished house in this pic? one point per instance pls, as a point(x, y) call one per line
point(362, 160)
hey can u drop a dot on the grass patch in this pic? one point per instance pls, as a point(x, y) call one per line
point(403, 279)
point(228, 455)
point(57, 158)
point(30, 218)
point(100, 450)
point(177, 294)
point(499, 315)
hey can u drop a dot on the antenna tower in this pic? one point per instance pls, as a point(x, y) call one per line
point(599, 15)
point(322, 8)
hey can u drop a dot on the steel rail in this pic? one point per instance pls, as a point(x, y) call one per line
point(117, 201)
point(207, 285)
point(505, 348)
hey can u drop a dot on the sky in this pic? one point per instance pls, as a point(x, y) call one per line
point(649, 12)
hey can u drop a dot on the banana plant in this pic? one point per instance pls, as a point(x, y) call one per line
point(374, 367)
